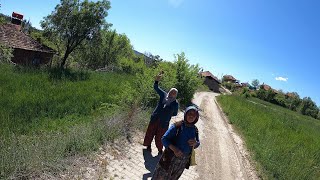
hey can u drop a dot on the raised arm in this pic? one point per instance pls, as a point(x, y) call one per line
point(156, 87)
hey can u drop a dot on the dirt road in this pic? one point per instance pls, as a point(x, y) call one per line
point(221, 154)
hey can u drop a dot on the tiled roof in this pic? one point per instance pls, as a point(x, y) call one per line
point(10, 36)
point(229, 78)
point(209, 74)
point(265, 87)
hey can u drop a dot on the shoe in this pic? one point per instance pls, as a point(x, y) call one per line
point(160, 152)
point(149, 148)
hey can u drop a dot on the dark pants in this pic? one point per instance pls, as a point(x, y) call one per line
point(154, 130)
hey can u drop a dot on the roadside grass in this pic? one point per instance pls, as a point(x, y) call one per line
point(45, 117)
point(285, 144)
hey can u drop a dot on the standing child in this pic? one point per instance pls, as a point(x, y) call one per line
point(179, 140)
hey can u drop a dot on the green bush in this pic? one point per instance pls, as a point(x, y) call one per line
point(245, 92)
point(188, 79)
point(5, 54)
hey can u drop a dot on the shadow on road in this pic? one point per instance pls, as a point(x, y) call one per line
point(150, 163)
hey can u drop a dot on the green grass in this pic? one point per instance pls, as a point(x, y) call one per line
point(46, 116)
point(32, 98)
point(284, 143)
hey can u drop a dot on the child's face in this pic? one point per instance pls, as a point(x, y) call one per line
point(191, 116)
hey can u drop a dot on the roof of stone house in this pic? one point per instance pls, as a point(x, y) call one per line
point(265, 87)
point(10, 36)
point(291, 95)
point(229, 78)
point(209, 74)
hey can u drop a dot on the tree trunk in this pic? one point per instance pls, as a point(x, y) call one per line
point(64, 59)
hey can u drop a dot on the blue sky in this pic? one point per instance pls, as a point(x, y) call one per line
point(274, 41)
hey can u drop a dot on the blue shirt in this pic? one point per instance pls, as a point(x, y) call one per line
point(161, 112)
point(181, 140)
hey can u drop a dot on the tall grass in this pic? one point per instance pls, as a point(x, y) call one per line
point(31, 98)
point(45, 117)
point(285, 143)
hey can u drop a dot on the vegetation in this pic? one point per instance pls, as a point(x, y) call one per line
point(50, 114)
point(291, 100)
point(74, 21)
point(5, 54)
point(187, 79)
point(285, 144)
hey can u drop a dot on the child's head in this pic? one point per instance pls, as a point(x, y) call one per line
point(191, 115)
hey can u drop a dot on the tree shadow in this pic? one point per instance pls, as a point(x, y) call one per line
point(150, 163)
point(57, 74)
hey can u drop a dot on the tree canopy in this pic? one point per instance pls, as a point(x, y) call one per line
point(72, 22)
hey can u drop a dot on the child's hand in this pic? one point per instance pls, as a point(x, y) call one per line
point(178, 153)
point(192, 142)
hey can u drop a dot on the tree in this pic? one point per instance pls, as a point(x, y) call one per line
point(153, 60)
point(105, 49)
point(293, 101)
point(255, 83)
point(309, 107)
point(73, 21)
point(115, 46)
point(187, 78)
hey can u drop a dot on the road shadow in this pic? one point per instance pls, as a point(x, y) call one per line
point(150, 163)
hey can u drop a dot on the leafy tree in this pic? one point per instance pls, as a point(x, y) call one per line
point(293, 101)
point(115, 46)
point(280, 99)
point(308, 107)
point(255, 83)
point(154, 59)
point(105, 49)
point(187, 78)
point(72, 22)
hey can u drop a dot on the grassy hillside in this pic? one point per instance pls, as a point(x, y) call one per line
point(45, 117)
point(284, 143)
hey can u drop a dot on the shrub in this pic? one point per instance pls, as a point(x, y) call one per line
point(5, 54)
point(187, 79)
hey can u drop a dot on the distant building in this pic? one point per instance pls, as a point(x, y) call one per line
point(229, 79)
point(211, 81)
point(26, 50)
point(267, 88)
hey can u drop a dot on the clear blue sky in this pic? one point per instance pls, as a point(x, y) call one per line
point(249, 39)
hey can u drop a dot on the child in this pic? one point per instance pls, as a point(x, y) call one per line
point(179, 140)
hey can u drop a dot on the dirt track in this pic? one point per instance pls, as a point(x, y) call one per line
point(221, 154)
